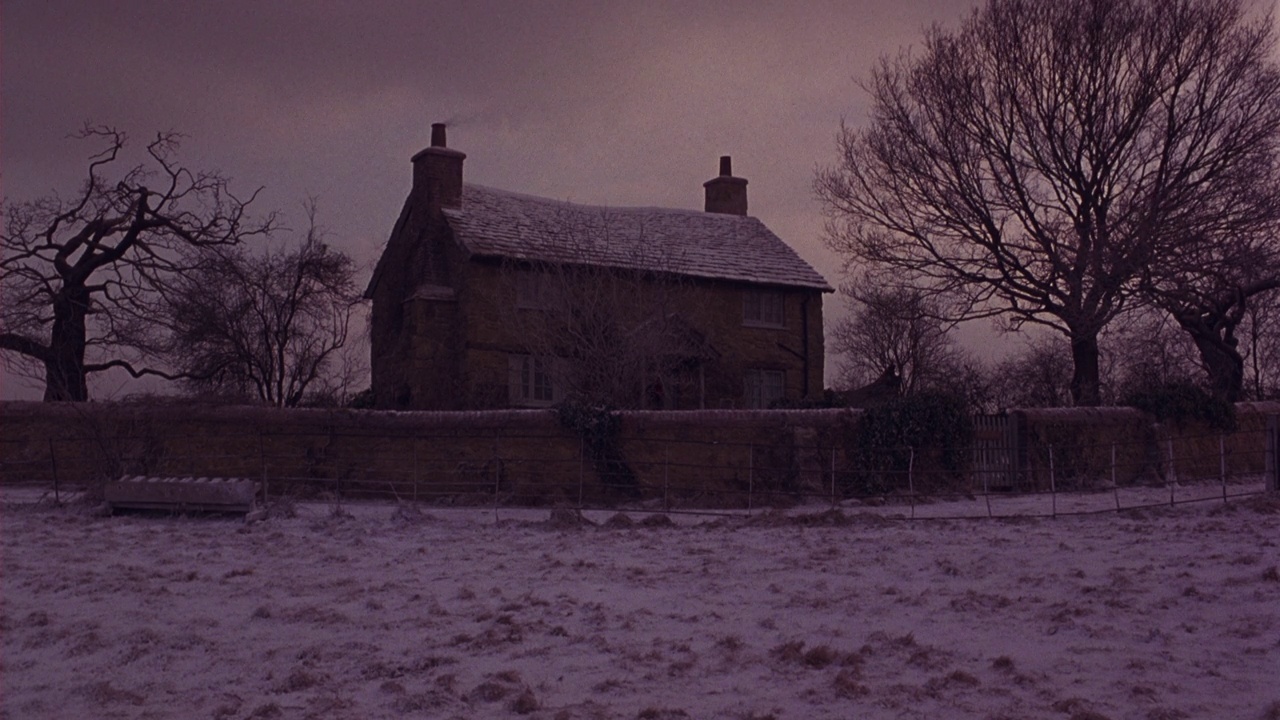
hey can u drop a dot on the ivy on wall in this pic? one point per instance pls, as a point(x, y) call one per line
point(600, 429)
point(934, 427)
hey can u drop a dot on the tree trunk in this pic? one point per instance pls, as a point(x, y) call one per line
point(1213, 332)
point(64, 376)
point(1085, 385)
point(1223, 363)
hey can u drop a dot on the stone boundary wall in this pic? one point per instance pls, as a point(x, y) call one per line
point(1087, 442)
point(690, 458)
point(524, 455)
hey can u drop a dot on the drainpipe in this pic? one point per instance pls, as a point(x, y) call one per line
point(804, 328)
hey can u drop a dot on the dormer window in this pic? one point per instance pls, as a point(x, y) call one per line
point(764, 308)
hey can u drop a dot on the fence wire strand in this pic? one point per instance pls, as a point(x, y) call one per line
point(677, 474)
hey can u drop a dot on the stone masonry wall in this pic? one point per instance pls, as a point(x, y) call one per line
point(494, 325)
point(526, 457)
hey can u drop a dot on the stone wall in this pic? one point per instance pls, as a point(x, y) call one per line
point(526, 457)
point(1081, 446)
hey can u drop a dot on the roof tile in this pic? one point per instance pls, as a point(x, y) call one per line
point(497, 223)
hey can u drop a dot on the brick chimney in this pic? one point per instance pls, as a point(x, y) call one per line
point(726, 194)
point(437, 171)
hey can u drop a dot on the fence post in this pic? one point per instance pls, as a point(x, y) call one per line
point(986, 490)
point(666, 476)
point(1273, 453)
point(1053, 487)
point(415, 470)
point(986, 461)
point(497, 476)
point(1115, 487)
point(337, 481)
point(989, 455)
point(53, 464)
point(751, 475)
point(1222, 464)
point(911, 480)
point(262, 451)
point(1173, 471)
point(582, 467)
point(833, 478)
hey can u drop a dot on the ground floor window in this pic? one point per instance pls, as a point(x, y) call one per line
point(763, 387)
point(533, 380)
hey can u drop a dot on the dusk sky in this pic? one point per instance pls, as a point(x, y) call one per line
point(592, 102)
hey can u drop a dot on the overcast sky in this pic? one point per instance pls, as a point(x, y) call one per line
point(596, 102)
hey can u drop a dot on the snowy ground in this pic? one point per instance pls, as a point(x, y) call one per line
point(375, 611)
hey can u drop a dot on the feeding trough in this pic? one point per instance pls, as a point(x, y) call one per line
point(182, 494)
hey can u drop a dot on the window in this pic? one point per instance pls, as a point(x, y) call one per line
point(763, 308)
point(533, 380)
point(762, 387)
point(535, 290)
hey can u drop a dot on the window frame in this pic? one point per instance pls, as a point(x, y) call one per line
point(764, 308)
point(756, 381)
point(534, 380)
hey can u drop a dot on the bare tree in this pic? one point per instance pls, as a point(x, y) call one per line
point(1147, 350)
point(1207, 283)
point(272, 325)
point(611, 336)
point(1262, 331)
point(1033, 164)
point(898, 328)
point(1039, 376)
point(82, 277)
point(616, 337)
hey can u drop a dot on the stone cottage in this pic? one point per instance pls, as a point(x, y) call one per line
point(485, 298)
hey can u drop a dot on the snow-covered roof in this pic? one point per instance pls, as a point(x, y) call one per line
point(497, 223)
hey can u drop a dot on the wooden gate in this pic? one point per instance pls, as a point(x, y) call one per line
point(996, 452)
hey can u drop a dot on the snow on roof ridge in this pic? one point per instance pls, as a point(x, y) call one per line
point(603, 208)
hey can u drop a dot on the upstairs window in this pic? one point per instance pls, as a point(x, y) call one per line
point(764, 308)
point(762, 387)
point(536, 290)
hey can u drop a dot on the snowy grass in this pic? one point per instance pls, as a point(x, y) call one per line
point(385, 611)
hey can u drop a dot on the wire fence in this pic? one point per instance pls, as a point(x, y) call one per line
point(501, 470)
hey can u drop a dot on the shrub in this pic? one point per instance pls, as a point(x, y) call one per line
point(936, 426)
point(1183, 403)
point(363, 400)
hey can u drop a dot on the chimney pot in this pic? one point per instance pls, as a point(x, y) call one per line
point(725, 193)
point(437, 172)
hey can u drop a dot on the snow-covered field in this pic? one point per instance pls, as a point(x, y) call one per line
point(378, 611)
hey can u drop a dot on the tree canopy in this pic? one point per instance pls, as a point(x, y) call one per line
point(895, 328)
point(271, 325)
point(1040, 163)
point(83, 277)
